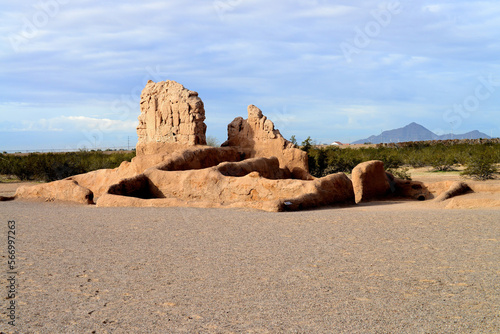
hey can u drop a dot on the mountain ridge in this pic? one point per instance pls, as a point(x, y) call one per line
point(416, 132)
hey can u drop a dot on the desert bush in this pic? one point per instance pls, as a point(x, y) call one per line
point(441, 155)
point(482, 168)
point(4, 164)
point(482, 162)
point(56, 166)
point(307, 144)
point(400, 173)
point(442, 163)
point(349, 159)
point(213, 141)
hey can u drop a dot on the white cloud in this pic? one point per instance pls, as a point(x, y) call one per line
point(326, 11)
point(390, 59)
point(433, 8)
point(77, 123)
point(272, 54)
point(415, 60)
point(104, 124)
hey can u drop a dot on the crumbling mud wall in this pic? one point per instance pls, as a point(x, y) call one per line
point(256, 167)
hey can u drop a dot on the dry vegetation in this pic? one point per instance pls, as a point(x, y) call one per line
point(55, 166)
point(475, 158)
point(479, 157)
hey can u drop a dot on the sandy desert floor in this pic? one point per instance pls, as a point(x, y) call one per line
point(380, 267)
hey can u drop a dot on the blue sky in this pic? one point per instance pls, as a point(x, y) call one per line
point(71, 71)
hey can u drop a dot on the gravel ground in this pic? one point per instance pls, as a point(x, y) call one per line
point(386, 268)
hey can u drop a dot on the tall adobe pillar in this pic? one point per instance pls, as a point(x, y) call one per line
point(172, 117)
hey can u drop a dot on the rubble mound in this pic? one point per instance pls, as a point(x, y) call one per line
point(65, 190)
point(254, 183)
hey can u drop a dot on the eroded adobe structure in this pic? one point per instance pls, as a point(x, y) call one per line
point(172, 117)
point(256, 167)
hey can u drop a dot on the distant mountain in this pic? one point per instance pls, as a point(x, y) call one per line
point(416, 132)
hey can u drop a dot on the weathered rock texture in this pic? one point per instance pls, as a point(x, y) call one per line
point(255, 168)
point(170, 114)
point(370, 181)
point(408, 189)
point(257, 137)
point(456, 189)
point(64, 190)
point(256, 183)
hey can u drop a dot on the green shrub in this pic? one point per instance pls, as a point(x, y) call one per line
point(307, 144)
point(481, 168)
point(441, 155)
point(400, 173)
point(57, 166)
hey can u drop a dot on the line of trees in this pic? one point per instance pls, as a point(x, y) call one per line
point(479, 157)
point(56, 166)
